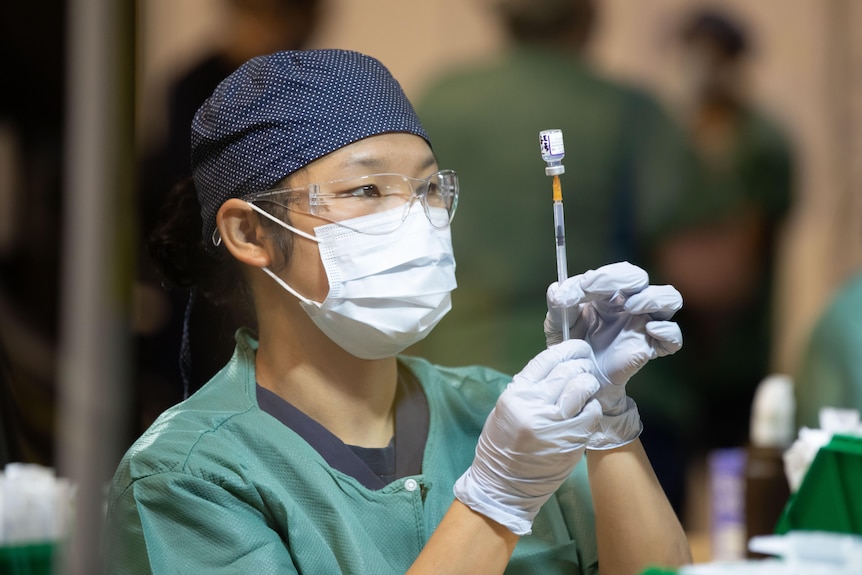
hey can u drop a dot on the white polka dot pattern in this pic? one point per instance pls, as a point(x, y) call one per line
point(277, 113)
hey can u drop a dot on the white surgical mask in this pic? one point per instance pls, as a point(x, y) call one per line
point(386, 291)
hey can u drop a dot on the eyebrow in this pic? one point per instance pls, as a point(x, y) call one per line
point(378, 163)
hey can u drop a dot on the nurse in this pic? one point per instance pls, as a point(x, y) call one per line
point(317, 200)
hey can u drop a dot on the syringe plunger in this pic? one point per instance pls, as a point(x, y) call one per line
point(553, 151)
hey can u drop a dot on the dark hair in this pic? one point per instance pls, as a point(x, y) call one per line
point(723, 31)
point(184, 260)
point(544, 21)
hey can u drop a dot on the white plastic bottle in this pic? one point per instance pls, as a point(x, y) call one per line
point(773, 429)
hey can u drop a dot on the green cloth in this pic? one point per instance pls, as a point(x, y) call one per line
point(831, 368)
point(829, 497)
point(216, 485)
point(625, 164)
point(28, 558)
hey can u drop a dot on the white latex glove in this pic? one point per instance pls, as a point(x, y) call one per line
point(534, 437)
point(625, 321)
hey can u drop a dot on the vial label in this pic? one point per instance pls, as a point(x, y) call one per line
point(551, 144)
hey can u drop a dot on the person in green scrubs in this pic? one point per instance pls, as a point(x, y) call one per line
point(830, 371)
point(321, 448)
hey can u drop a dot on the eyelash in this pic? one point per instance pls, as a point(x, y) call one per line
point(362, 192)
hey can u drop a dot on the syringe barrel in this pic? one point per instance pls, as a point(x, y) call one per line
point(562, 274)
point(562, 266)
point(560, 240)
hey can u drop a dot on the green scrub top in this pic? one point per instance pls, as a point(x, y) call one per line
point(830, 373)
point(217, 485)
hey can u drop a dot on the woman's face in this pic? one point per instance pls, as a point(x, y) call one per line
point(397, 153)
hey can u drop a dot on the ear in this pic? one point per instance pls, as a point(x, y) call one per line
point(242, 234)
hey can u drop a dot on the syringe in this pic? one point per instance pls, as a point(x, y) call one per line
point(553, 150)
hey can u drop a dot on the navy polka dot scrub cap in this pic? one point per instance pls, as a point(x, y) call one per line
point(278, 113)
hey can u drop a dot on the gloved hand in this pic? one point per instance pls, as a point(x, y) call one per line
point(534, 437)
point(625, 321)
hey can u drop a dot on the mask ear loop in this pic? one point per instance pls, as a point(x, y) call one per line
point(270, 273)
point(216, 236)
point(292, 291)
point(283, 224)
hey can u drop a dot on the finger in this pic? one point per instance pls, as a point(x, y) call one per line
point(576, 393)
point(666, 337)
point(540, 366)
point(659, 301)
point(552, 328)
point(606, 281)
point(550, 388)
point(554, 317)
point(565, 294)
point(581, 426)
point(570, 368)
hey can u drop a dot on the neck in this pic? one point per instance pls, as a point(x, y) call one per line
point(353, 398)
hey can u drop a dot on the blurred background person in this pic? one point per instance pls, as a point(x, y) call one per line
point(722, 248)
point(625, 163)
point(830, 373)
point(254, 27)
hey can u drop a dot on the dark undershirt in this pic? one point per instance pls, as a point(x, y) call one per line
point(381, 460)
point(373, 467)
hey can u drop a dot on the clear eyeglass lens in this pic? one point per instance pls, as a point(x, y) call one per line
point(342, 200)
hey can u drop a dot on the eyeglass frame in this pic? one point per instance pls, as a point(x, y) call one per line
point(313, 194)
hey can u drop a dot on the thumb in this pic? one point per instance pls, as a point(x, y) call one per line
point(604, 282)
point(565, 294)
point(540, 366)
point(576, 394)
point(659, 301)
point(666, 335)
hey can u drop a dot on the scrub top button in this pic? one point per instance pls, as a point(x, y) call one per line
point(410, 485)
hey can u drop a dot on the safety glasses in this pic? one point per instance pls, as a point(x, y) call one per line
point(341, 201)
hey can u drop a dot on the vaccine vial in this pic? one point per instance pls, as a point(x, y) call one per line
point(553, 151)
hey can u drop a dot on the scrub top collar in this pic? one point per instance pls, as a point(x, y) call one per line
point(411, 432)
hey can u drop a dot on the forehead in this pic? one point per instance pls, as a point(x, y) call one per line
point(399, 153)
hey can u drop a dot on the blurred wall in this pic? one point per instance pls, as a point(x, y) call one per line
point(807, 71)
